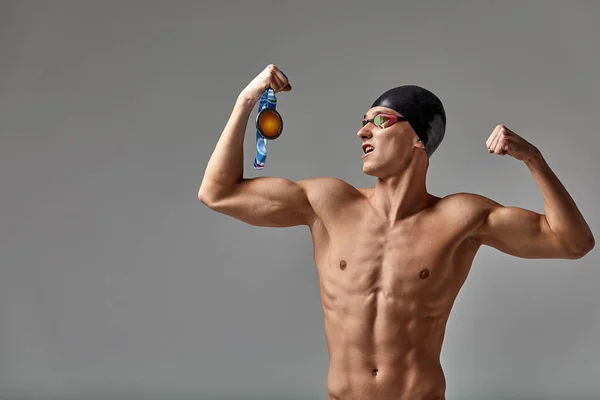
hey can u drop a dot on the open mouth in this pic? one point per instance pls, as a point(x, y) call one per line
point(367, 149)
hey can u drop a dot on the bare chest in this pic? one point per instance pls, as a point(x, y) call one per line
point(422, 262)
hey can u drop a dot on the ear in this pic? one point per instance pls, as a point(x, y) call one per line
point(419, 144)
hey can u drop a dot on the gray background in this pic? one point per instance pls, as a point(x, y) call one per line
point(117, 283)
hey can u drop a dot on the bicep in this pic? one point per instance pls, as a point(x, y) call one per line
point(519, 232)
point(268, 201)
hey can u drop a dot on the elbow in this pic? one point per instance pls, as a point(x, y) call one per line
point(213, 195)
point(203, 198)
point(210, 193)
point(581, 249)
point(207, 198)
point(590, 244)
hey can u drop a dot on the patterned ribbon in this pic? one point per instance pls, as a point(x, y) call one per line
point(267, 100)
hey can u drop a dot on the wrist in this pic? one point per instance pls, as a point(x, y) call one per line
point(247, 99)
point(535, 158)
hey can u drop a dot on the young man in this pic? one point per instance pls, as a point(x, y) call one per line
point(392, 259)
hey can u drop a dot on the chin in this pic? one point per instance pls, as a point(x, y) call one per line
point(381, 171)
point(371, 171)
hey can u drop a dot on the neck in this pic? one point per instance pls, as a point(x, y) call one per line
point(400, 196)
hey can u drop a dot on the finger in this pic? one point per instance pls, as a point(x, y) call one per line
point(277, 84)
point(496, 145)
point(281, 76)
point(286, 88)
point(501, 146)
point(490, 140)
point(277, 78)
point(271, 77)
point(494, 142)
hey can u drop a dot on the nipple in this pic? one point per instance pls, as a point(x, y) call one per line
point(342, 265)
point(424, 273)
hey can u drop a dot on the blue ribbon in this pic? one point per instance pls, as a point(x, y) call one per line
point(267, 100)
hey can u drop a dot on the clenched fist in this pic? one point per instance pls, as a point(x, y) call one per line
point(270, 77)
point(503, 141)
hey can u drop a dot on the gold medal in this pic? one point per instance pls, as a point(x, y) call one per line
point(269, 123)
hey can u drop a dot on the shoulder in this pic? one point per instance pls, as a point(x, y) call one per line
point(328, 190)
point(324, 185)
point(327, 196)
point(468, 200)
point(469, 207)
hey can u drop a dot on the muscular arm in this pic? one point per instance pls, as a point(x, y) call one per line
point(263, 201)
point(267, 201)
point(559, 233)
point(518, 232)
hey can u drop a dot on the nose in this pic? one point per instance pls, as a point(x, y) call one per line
point(365, 132)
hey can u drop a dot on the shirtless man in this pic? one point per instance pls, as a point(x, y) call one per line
point(391, 259)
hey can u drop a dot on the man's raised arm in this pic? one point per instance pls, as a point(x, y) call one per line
point(561, 232)
point(264, 201)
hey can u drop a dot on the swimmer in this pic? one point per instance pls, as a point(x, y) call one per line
point(391, 259)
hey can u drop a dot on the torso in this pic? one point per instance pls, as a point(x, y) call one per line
point(386, 293)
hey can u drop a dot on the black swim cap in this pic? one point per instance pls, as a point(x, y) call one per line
point(423, 110)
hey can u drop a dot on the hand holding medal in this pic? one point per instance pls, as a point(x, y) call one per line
point(269, 124)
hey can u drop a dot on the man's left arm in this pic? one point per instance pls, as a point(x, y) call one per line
point(561, 232)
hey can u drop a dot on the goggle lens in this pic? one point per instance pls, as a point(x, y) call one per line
point(381, 121)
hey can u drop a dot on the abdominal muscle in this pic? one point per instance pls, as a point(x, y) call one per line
point(382, 352)
point(386, 295)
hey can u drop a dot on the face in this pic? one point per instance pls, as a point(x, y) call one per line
point(393, 143)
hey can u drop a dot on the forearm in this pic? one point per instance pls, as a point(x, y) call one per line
point(563, 216)
point(225, 167)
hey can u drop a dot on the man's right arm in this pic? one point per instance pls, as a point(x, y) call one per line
point(263, 201)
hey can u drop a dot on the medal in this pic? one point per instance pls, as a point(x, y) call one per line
point(269, 126)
